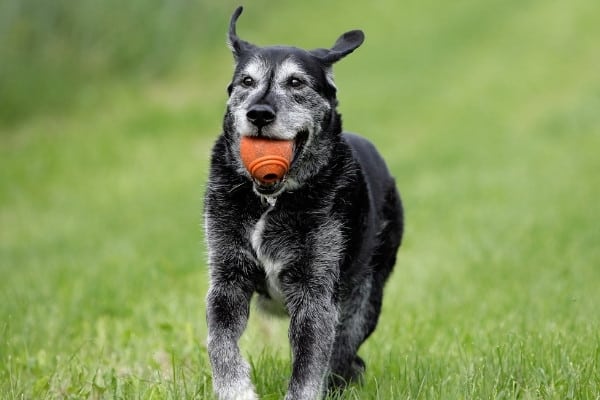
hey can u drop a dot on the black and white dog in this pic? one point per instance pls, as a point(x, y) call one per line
point(320, 242)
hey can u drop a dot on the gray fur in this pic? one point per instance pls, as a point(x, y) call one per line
point(318, 245)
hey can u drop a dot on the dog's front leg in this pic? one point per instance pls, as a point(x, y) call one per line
point(227, 315)
point(312, 333)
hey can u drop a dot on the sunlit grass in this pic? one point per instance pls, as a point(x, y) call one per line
point(488, 117)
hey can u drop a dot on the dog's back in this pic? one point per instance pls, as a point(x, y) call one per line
point(384, 215)
point(376, 174)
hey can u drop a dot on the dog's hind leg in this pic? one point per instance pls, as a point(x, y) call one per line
point(360, 313)
point(352, 330)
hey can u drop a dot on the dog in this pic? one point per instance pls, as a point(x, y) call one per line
point(319, 241)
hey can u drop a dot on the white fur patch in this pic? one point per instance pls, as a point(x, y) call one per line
point(257, 232)
point(258, 70)
point(329, 77)
point(289, 69)
point(271, 267)
point(237, 391)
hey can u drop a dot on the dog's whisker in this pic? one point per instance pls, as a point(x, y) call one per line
point(233, 189)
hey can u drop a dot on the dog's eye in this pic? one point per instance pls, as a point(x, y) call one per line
point(295, 82)
point(247, 81)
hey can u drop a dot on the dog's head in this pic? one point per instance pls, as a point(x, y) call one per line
point(282, 92)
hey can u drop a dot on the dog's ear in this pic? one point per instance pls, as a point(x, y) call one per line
point(345, 45)
point(238, 46)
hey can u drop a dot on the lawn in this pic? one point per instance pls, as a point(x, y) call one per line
point(487, 112)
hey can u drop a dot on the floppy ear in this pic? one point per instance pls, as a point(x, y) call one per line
point(345, 45)
point(238, 46)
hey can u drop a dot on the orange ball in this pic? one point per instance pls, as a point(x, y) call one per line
point(267, 160)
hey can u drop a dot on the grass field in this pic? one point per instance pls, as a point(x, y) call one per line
point(487, 112)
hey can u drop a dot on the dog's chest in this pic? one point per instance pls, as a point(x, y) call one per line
point(266, 241)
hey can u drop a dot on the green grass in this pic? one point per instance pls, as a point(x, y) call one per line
point(488, 114)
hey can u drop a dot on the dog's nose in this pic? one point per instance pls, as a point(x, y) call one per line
point(261, 115)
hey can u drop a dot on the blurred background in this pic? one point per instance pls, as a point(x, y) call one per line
point(487, 112)
point(63, 51)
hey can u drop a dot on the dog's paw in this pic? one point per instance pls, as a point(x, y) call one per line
point(246, 394)
point(236, 391)
point(238, 394)
point(352, 373)
point(358, 368)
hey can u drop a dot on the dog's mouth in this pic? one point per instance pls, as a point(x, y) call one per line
point(299, 143)
point(272, 184)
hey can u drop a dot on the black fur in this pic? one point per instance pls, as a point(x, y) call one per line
point(321, 243)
